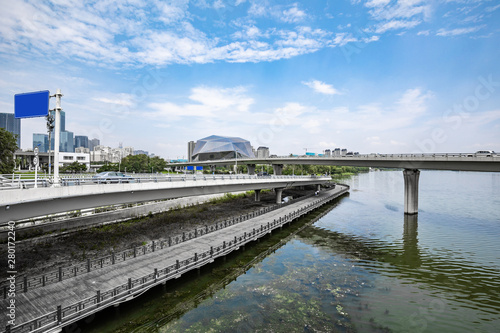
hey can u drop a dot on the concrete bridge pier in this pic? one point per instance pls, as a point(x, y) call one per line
point(278, 169)
point(279, 194)
point(251, 169)
point(411, 190)
point(257, 195)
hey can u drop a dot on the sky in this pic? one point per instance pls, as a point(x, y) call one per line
point(376, 76)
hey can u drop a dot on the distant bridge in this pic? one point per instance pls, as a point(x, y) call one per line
point(411, 163)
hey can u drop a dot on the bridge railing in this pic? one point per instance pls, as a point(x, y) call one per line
point(64, 316)
point(23, 181)
point(25, 283)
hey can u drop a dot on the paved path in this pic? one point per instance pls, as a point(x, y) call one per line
point(43, 300)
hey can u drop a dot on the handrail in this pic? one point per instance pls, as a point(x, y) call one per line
point(122, 292)
point(26, 181)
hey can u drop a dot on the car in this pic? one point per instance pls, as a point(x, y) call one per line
point(109, 177)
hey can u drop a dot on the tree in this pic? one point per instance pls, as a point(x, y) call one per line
point(8, 146)
point(157, 164)
point(74, 167)
point(108, 167)
point(136, 163)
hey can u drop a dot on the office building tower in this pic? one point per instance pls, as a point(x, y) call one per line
point(41, 141)
point(9, 122)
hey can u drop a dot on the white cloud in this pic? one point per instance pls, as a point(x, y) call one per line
point(322, 87)
point(458, 31)
point(423, 33)
point(293, 15)
point(210, 102)
point(396, 24)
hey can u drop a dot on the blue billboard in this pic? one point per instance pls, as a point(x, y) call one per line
point(32, 104)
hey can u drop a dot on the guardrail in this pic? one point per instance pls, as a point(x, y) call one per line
point(25, 283)
point(133, 287)
point(19, 181)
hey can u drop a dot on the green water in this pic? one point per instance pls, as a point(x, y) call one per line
point(361, 267)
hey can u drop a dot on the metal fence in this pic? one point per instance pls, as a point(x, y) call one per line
point(24, 181)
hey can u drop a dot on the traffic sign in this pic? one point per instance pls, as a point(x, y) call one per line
point(35, 160)
point(35, 150)
point(31, 104)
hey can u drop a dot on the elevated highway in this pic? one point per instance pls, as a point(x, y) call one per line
point(410, 163)
point(17, 204)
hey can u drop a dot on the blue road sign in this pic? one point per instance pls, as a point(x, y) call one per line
point(190, 167)
point(32, 104)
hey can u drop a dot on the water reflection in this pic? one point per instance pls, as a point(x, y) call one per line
point(411, 252)
point(465, 281)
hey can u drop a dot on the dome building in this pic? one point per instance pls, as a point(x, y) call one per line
point(221, 147)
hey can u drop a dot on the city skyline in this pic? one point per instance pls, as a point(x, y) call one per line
point(375, 76)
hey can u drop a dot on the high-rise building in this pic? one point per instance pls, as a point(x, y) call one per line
point(263, 152)
point(66, 144)
point(94, 143)
point(9, 122)
point(41, 141)
point(191, 145)
point(81, 141)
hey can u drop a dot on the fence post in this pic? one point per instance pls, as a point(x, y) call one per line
point(211, 250)
point(98, 297)
point(153, 246)
point(169, 241)
point(88, 265)
point(112, 258)
point(25, 283)
point(196, 256)
point(177, 264)
point(135, 252)
point(224, 245)
point(196, 232)
point(129, 283)
point(59, 315)
point(156, 274)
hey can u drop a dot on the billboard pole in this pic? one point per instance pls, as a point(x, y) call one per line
point(57, 138)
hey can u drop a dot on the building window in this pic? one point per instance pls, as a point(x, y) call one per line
point(68, 158)
point(80, 158)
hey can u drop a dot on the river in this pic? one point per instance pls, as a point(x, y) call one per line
point(361, 267)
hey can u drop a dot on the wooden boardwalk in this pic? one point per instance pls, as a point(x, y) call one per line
point(59, 304)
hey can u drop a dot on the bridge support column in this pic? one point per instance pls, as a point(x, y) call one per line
point(212, 168)
point(318, 188)
point(257, 195)
point(251, 169)
point(411, 190)
point(279, 194)
point(278, 169)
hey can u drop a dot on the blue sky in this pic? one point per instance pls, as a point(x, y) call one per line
point(370, 76)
